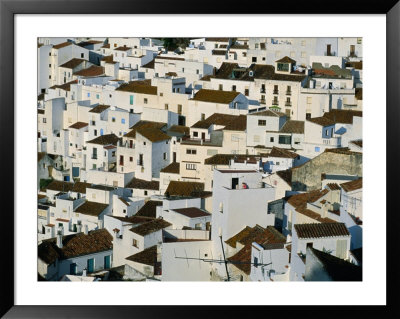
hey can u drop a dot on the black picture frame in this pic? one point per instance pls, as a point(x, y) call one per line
point(9, 8)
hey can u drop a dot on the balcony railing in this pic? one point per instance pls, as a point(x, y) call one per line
point(262, 91)
point(276, 91)
point(94, 156)
point(288, 92)
point(139, 163)
point(275, 103)
point(262, 102)
point(288, 103)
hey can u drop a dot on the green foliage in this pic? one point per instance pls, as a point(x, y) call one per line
point(45, 182)
point(173, 43)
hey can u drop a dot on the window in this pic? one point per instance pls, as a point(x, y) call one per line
point(246, 92)
point(197, 226)
point(317, 149)
point(220, 87)
point(191, 151)
point(161, 94)
point(183, 70)
point(144, 143)
point(44, 120)
point(254, 59)
point(130, 99)
point(283, 139)
point(203, 116)
point(303, 54)
point(82, 55)
point(303, 43)
point(271, 139)
point(179, 108)
point(122, 121)
point(49, 76)
point(195, 134)
point(130, 159)
point(166, 107)
point(113, 119)
point(234, 88)
point(145, 192)
point(97, 96)
point(145, 101)
point(255, 262)
point(190, 167)
point(165, 156)
point(88, 95)
point(135, 243)
point(262, 122)
point(95, 132)
point(49, 65)
point(197, 71)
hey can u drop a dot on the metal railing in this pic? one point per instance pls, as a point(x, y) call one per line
point(275, 103)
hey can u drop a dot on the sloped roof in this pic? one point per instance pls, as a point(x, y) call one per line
point(65, 86)
point(144, 125)
point(180, 188)
point(80, 187)
point(321, 230)
point(180, 129)
point(217, 119)
point(150, 227)
point(149, 209)
point(172, 168)
point(280, 152)
point(105, 140)
point(91, 208)
point(93, 70)
point(292, 126)
point(268, 113)
point(75, 245)
point(352, 185)
point(143, 184)
point(286, 175)
point(61, 45)
point(78, 125)
point(99, 108)
point(142, 87)
point(342, 116)
point(215, 96)
point(73, 63)
point(60, 186)
point(323, 121)
point(153, 134)
point(147, 256)
point(191, 212)
point(286, 59)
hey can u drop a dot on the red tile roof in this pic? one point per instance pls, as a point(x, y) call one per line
point(352, 185)
point(78, 125)
point(192, 212)
point(321, 230)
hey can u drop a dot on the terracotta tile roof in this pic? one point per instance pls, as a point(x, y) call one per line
point(65, 86)
point(237, 124)
point(73, 63)
point(286, 59)
point(239, 46)
point(357, 142)
point(144, 125)
point(192, 212)
point(143, 184)
point(149, 209)
point(91, 208)
point(280, 152)
point(61, 45)
point(94, 70)
point(286, 175)
point(301, 200)
point(260, 235)
point(217, 39)
point(180, 188)
point(294, 127)
point(147, 256)
point(172, 168)
point(62, 220)
point(108, 59)
point(218, 52)
point(333, 186)
point(142, 87)
point(150, 227)
point(60, 186)
point(314, 215)
point(171, 74)
point(215, 96)
point(268, 113)
point(242, 234)
point(341, 150)
point(106, 46)
point(99, 108)
point(355, 64)
point(159, 57)
point(323, 121)
point(342, 116)
point(105, 140)
point(224, 159)
point(321, 230)
point(217, 119)
point(75, 245)
point(41, 155)
point(359, 95)
point(133, 219)
point(149, 65)
point(80, 187)
point(78, 125)
point(225, 70)
point(352, 185)
point(153, 134)
point(180, 129)
point(124, 48)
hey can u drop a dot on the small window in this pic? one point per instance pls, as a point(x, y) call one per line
point(82, 55)
point(97, 96)
point(191, 151)
point(145, 101)
point(145, 192)
point(271, 139)
point(190, 167)
point(262, 122)
point(165, 156)
point(135, 243)
point(220, 87)
point(88, 95)
point(195, 134)
point(130, 159)
point(234, 88)
point(113, 119)
point(44, 120)
point(166, 107)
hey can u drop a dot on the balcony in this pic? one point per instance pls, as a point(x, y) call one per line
point(93, 123)
point(288, 92)
point(276, 91)
point(262, 90)
point(262, 102)
point(139, 163)
point(94, 156)
point(288, 103)
point(275, 102)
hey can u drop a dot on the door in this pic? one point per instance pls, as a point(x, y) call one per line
point(121, 160)
point(203, 136)
point(352, 50)
point(235, 182)
point(72, 269)
point(107, 262)
point(328, 49)
point(174, 157)
point(90, 265)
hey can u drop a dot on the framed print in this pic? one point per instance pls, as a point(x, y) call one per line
point(193, 154)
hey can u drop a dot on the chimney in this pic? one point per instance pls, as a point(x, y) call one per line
point(59, 239)
point(84, 272)
point(79, 227)
point(324, 209)
point(85, 229)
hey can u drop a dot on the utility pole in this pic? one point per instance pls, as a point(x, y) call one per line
point(225, 262)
